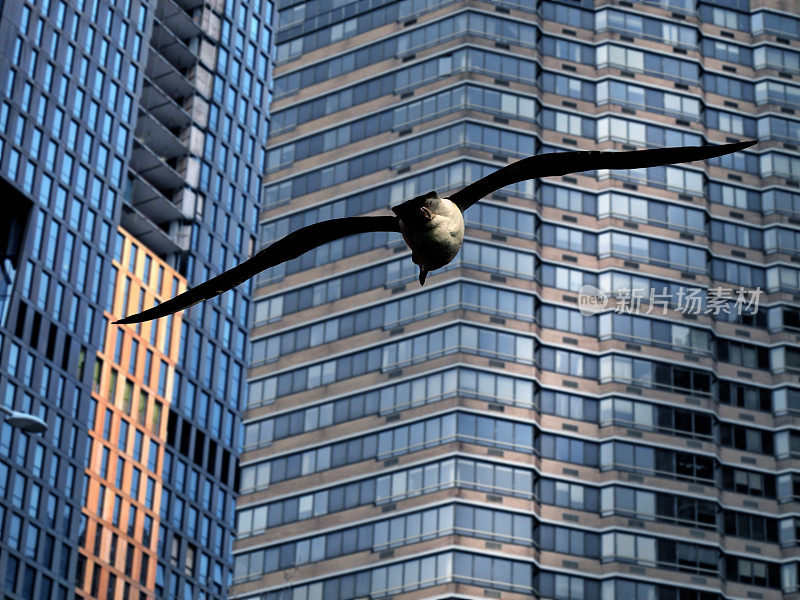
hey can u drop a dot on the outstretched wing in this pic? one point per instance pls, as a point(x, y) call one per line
point(561, 163)
point(293, 245)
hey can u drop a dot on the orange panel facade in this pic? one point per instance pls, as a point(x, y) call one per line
point(133, 377)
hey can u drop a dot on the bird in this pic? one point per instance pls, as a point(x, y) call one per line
point(432, 226)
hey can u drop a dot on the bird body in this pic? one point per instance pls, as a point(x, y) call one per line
point(432, 226)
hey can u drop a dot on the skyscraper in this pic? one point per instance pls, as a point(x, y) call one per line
point(131, 142)
point(482, 436)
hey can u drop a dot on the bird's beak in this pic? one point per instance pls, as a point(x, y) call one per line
point(422, 275)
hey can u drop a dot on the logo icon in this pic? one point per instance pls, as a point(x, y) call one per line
point(591, 300)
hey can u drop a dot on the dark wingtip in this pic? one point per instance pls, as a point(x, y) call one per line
point(422, 275)
point(736, 146)
point(723, 149)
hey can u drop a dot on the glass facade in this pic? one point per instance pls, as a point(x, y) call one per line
point(132, 140)
point(132, 374)
point(483, 436)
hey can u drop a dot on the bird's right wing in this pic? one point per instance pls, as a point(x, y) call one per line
point(561, 163)
point(293, 245)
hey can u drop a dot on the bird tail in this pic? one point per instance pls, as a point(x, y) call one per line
point(422, 275)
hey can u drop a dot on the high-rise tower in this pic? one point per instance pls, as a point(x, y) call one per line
point(480, 436)
point(131, 147)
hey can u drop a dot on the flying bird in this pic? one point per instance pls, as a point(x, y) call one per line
point(431, 225)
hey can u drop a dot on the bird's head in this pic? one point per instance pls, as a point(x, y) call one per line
point(433, 228)
point(419, 211)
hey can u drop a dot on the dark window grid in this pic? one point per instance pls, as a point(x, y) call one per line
point(472, 59)
point(481, 298)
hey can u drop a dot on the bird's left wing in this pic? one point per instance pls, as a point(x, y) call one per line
point(293, 245)
point(561, 163)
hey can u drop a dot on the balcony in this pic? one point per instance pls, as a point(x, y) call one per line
point(177, 19)
point(161, 140)
point(152, 203)
point(153, 168)
point(190, 5)
point(162, 107)
point(148, 232)
point(169, 79)
point(170, 44)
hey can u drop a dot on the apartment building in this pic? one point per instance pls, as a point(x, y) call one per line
point(491, 434)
